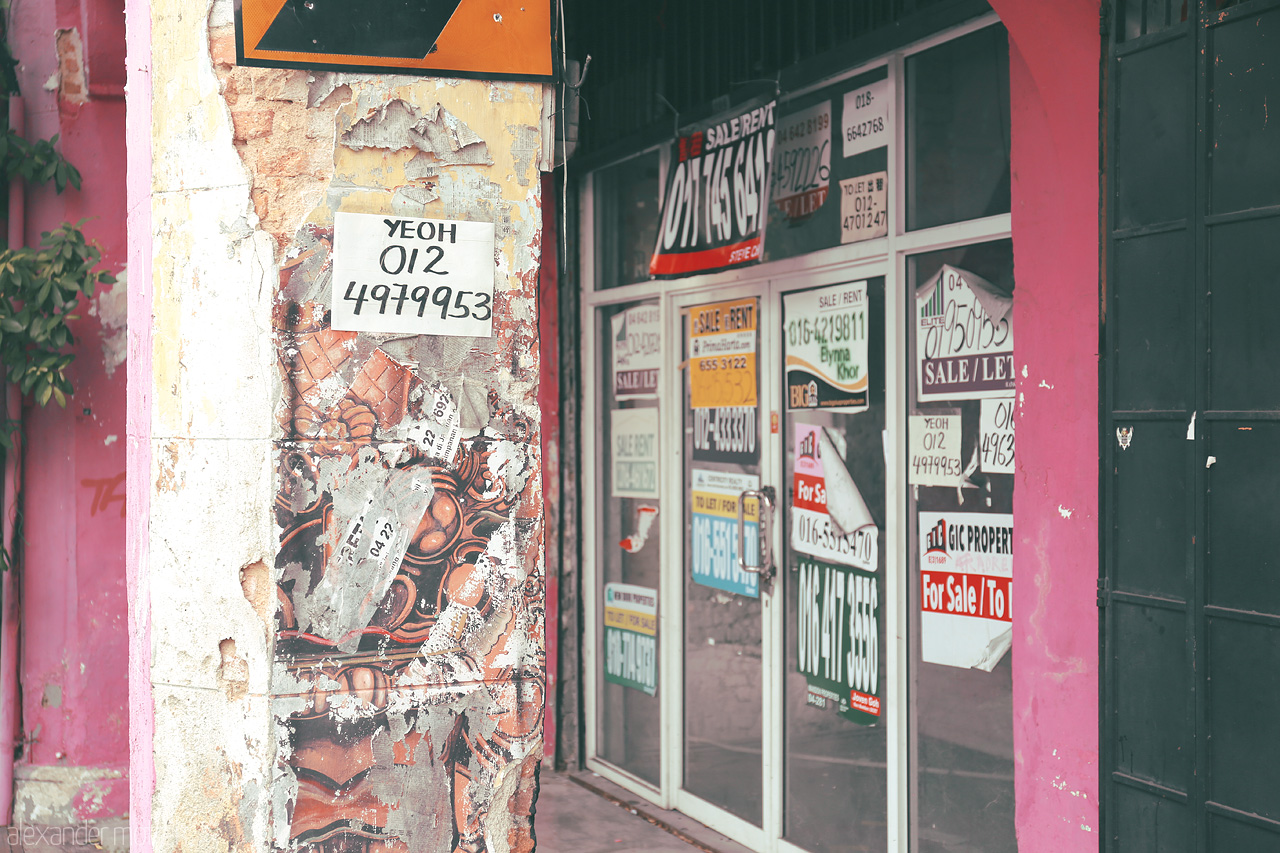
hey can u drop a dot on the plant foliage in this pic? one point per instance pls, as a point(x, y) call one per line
point(41, 286)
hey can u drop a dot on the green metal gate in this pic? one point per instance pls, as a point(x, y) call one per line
point(1191, 428)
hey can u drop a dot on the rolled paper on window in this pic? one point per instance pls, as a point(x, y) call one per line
point(645, 517)
point(845, 506)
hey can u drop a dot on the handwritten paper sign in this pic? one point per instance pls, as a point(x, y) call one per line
point(802, 162)
point(934, 450)
point(995, 436)
point(634, 453)
point(964, 338)
point(863, 210)
point(826, 348)
point(966, 588)
point(413, 276)
point(866, 116)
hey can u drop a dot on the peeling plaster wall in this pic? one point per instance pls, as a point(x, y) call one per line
point(301, 698)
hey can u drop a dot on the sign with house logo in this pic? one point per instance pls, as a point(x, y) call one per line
point(499, 39)
point(966, 588)
point(826, 348)
point(964, 338)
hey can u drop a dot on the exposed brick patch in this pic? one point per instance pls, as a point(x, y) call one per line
point(72, 87)
point(287, 148)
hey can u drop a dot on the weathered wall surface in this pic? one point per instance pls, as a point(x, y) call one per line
point(1054, 52)
point(74, 650)
point(305, 693)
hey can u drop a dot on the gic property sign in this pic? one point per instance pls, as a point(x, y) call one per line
point(966, 588)
point(413, 276)
point(631, 636)
point(717, 199)
point(964, 338)
point(826, 348)
point(497, 39)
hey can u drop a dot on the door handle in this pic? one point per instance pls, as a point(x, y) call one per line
point(764, 498)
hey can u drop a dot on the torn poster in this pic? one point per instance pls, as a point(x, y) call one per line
point(714, 503)
point(826, 348)
point(966, 588)
point(645, 517)
point(367, 543)
point(802, 162)
point(631, 636)
point(717, 199)
point(829, 518)
point(439, 428)
point(933, 450)
point(995, 435)
point(637, 352)
point(838, 639)
point(633, 443)
point(964, 338)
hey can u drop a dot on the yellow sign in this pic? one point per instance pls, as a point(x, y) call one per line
point(722, 354)
point(498, 39)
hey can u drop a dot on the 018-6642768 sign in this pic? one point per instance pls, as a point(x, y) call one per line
point(412, 276)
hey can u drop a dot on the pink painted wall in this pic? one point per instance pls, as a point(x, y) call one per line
point(142, 773)
point(74, 643)
point(1054, 57)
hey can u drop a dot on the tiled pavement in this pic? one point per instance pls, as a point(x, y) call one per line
point(602, 818)
point(590, 815)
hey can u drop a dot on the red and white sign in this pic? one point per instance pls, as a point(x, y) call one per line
point(829, 518)
point(966, 588)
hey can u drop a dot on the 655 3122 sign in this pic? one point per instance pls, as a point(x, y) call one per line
point(414, 276)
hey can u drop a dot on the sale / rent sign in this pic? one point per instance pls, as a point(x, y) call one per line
point(966, 588)
point(413, 276)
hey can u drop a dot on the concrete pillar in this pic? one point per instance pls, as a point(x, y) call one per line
point(286, 688)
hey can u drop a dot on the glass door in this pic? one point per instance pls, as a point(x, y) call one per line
point(782, 739)
point(834, 770)
point(727, 575)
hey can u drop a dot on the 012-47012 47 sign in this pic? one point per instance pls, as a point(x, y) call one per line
point(414, 276)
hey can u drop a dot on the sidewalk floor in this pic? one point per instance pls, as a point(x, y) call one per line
point(584, 813)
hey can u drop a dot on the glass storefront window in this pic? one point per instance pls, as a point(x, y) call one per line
point(836, 785)
point(629, 543)
point(958, 130)
point(625, 196)
point(960, 550)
